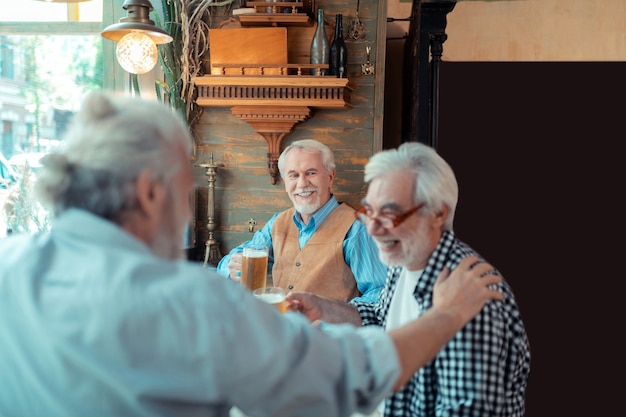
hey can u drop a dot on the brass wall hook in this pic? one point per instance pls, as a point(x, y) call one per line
point(251, 224)
point(357, 28)
point(368, 67)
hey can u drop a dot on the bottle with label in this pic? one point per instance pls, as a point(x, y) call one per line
point(320, 47)
point(338, 64)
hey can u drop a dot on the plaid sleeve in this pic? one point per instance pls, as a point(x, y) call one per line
point(373, 314)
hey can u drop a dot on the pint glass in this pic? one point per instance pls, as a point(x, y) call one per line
point(254, 266)
point(274, 296)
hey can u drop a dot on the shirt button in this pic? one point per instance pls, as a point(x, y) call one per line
point(290, 287)
point(298, 264)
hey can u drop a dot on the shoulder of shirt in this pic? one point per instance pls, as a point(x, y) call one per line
point(358, 228)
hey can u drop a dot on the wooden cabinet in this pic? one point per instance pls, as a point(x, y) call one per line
point(251, 73)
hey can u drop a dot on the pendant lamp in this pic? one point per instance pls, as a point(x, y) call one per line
point(137, 20)
point(137, 37)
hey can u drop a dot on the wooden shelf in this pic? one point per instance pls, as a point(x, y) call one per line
point(274, 19)
point(273, 104)
point(277, 17)
point(273, 90)
point(259, 69)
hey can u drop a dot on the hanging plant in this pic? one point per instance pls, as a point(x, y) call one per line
point(181, 59)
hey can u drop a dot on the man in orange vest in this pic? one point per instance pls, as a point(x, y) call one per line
point(317, 245)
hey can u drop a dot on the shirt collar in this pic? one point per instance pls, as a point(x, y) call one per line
point(318, 217)
point(84, 225)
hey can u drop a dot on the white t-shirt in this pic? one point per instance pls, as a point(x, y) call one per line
point(403, 307)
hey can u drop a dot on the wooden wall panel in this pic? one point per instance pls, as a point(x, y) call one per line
point(243, 189)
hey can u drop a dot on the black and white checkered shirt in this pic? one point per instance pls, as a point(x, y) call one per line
point(482, 371)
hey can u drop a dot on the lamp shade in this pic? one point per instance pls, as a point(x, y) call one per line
point(136, 20)
point(136, 53)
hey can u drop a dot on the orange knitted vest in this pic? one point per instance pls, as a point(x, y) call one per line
point(319, 267)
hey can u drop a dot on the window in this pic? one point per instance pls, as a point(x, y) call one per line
point(50, 55)
point(6, 58)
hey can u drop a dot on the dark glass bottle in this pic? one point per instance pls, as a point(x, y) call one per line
point(338, 64)
point(320, 47)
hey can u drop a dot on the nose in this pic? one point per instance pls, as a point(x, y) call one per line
point(374, 228)
point(302, 181)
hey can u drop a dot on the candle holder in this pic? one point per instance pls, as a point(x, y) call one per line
point(212, 253)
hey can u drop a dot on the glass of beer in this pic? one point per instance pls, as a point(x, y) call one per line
point(273, 295)
point(254, 266)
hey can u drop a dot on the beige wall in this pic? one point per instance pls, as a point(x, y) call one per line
point(531, 30)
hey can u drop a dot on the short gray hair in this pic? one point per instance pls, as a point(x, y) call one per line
point(308, 145)
point(435, 182)
point(111, 140)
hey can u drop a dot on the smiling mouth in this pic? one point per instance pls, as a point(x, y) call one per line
point(304, 194)
point(387, 244)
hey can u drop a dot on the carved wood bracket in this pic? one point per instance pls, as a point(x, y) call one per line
point(273, 123)
point(273, 105)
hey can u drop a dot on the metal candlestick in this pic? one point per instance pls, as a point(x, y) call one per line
point(212, 253)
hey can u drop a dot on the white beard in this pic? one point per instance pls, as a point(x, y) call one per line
point(308, 208)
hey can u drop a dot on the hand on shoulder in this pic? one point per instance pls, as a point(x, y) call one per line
point(465, 290)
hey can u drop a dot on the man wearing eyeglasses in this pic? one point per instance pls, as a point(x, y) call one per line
point(409, 211)
point(317, 245)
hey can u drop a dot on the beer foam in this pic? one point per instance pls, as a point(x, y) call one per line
point(271, 298)
point(256, 254)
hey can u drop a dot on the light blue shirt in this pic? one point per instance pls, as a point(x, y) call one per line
point(93, 324)
point(359, 250)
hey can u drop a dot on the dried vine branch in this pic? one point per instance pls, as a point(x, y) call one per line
point(181, 59)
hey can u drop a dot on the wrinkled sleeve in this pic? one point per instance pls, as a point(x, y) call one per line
point(281, 365)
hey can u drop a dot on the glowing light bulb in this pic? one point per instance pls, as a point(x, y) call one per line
point(136, 53)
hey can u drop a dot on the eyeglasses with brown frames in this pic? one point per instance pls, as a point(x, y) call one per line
point(385, 221)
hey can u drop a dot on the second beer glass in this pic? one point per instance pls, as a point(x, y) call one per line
point(254, 266)
point(274, 296)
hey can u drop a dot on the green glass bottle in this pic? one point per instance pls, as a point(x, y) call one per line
point(320, 48)
point(338, 64)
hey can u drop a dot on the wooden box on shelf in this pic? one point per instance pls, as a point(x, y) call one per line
point(247, 46)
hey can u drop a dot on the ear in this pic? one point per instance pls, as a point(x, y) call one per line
point(331, 176)
point(441, 215)
point(151, 195)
